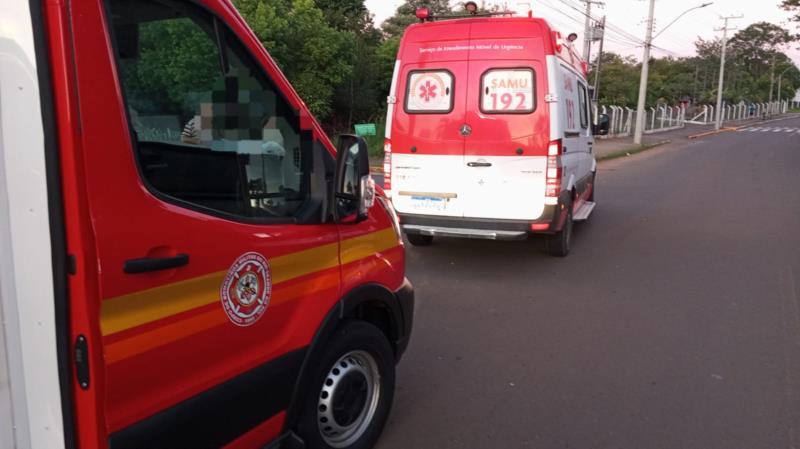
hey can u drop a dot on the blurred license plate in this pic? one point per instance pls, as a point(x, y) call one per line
point(428, 203)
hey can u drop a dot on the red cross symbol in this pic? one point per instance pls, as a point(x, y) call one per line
point(428, 91)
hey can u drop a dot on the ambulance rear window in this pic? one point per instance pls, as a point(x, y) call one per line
point(429, 92)
point(508, 91)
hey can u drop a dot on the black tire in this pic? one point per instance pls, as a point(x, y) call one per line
point(419, 239)
point(558, 244)
point(363, 340)
point(594, 187)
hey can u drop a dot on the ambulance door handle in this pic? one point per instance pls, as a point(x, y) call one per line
point(146, 265)
point(479, 164)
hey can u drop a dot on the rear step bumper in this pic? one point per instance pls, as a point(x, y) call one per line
point(435, 231)
point(583, 212)
point(478, 228)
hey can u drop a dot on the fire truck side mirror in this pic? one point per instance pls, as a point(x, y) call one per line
point(355, 188)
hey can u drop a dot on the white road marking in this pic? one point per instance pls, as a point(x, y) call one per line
point(770, 129)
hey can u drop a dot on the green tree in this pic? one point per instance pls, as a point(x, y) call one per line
point(793, 6)
point(315, 56)
point(405, 15)
point(175, 57)
point(347, 15)
point(619, 80)
point(360, 96)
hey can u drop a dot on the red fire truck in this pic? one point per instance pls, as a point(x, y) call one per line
point(186, 260)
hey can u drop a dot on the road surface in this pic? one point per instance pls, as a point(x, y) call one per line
point(674, 323)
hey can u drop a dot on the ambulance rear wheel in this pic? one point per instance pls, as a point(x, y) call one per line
point(558, 244)
point(594, 187)
point(419, 239)
point(352, 391)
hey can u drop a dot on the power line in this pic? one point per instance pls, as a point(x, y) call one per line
point(609, 26)
point(622, 36)
point(616, 40)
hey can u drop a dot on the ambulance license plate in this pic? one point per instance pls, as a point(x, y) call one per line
point(428, 203)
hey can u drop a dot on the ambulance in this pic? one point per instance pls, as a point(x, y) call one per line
point(489, 131)
point(186, 261)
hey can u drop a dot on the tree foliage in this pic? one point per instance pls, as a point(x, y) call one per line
point(314, 55)
point(752, 54)
point(406, 15)
point(794, 6)
point(341, 62)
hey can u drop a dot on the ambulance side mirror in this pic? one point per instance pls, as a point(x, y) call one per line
point(354, 188)
point(602, 126)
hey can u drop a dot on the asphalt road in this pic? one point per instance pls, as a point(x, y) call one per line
point(675, 322)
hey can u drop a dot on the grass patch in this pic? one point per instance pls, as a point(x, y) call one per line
point(632, 151)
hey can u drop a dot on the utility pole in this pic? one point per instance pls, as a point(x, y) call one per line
point(780, 78)
point(601, 26)
point(724, 30)
point(648, 41)
point(587, 38)
point(771, 80)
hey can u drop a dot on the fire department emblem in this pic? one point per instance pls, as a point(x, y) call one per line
point(246, 290)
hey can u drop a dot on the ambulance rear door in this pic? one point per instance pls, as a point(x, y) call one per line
point(505, 154)
point(428, 128)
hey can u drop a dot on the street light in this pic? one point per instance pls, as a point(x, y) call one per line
point(648, 42)
point(681, 15)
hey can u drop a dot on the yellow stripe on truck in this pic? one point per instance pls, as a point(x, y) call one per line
point(366, 245)
point(135, 309)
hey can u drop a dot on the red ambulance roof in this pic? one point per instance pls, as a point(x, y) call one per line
point(486, 38)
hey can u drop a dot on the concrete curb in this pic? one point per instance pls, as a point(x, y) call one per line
point(716, 131)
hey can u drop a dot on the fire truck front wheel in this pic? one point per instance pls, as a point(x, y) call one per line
point(352, 391)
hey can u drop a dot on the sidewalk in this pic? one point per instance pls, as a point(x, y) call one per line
point(620, 146)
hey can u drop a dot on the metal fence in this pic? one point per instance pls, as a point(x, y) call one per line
point(742, 111)
point(622, 120)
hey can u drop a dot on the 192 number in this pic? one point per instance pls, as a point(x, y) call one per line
point(507, 100)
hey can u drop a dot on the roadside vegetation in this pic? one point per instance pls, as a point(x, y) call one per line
point(341, 62)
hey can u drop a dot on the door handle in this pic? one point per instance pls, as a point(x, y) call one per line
point(148, 264)
point(479, 164)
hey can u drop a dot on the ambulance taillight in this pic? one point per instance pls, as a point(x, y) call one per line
point(387, 167)
point(555, 172)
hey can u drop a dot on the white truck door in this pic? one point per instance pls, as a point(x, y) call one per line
point(586, 139)
point(573, 142)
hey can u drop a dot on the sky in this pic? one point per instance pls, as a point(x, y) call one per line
point(629, 18)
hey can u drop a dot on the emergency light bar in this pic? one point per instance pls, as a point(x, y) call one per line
point(424, 15)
